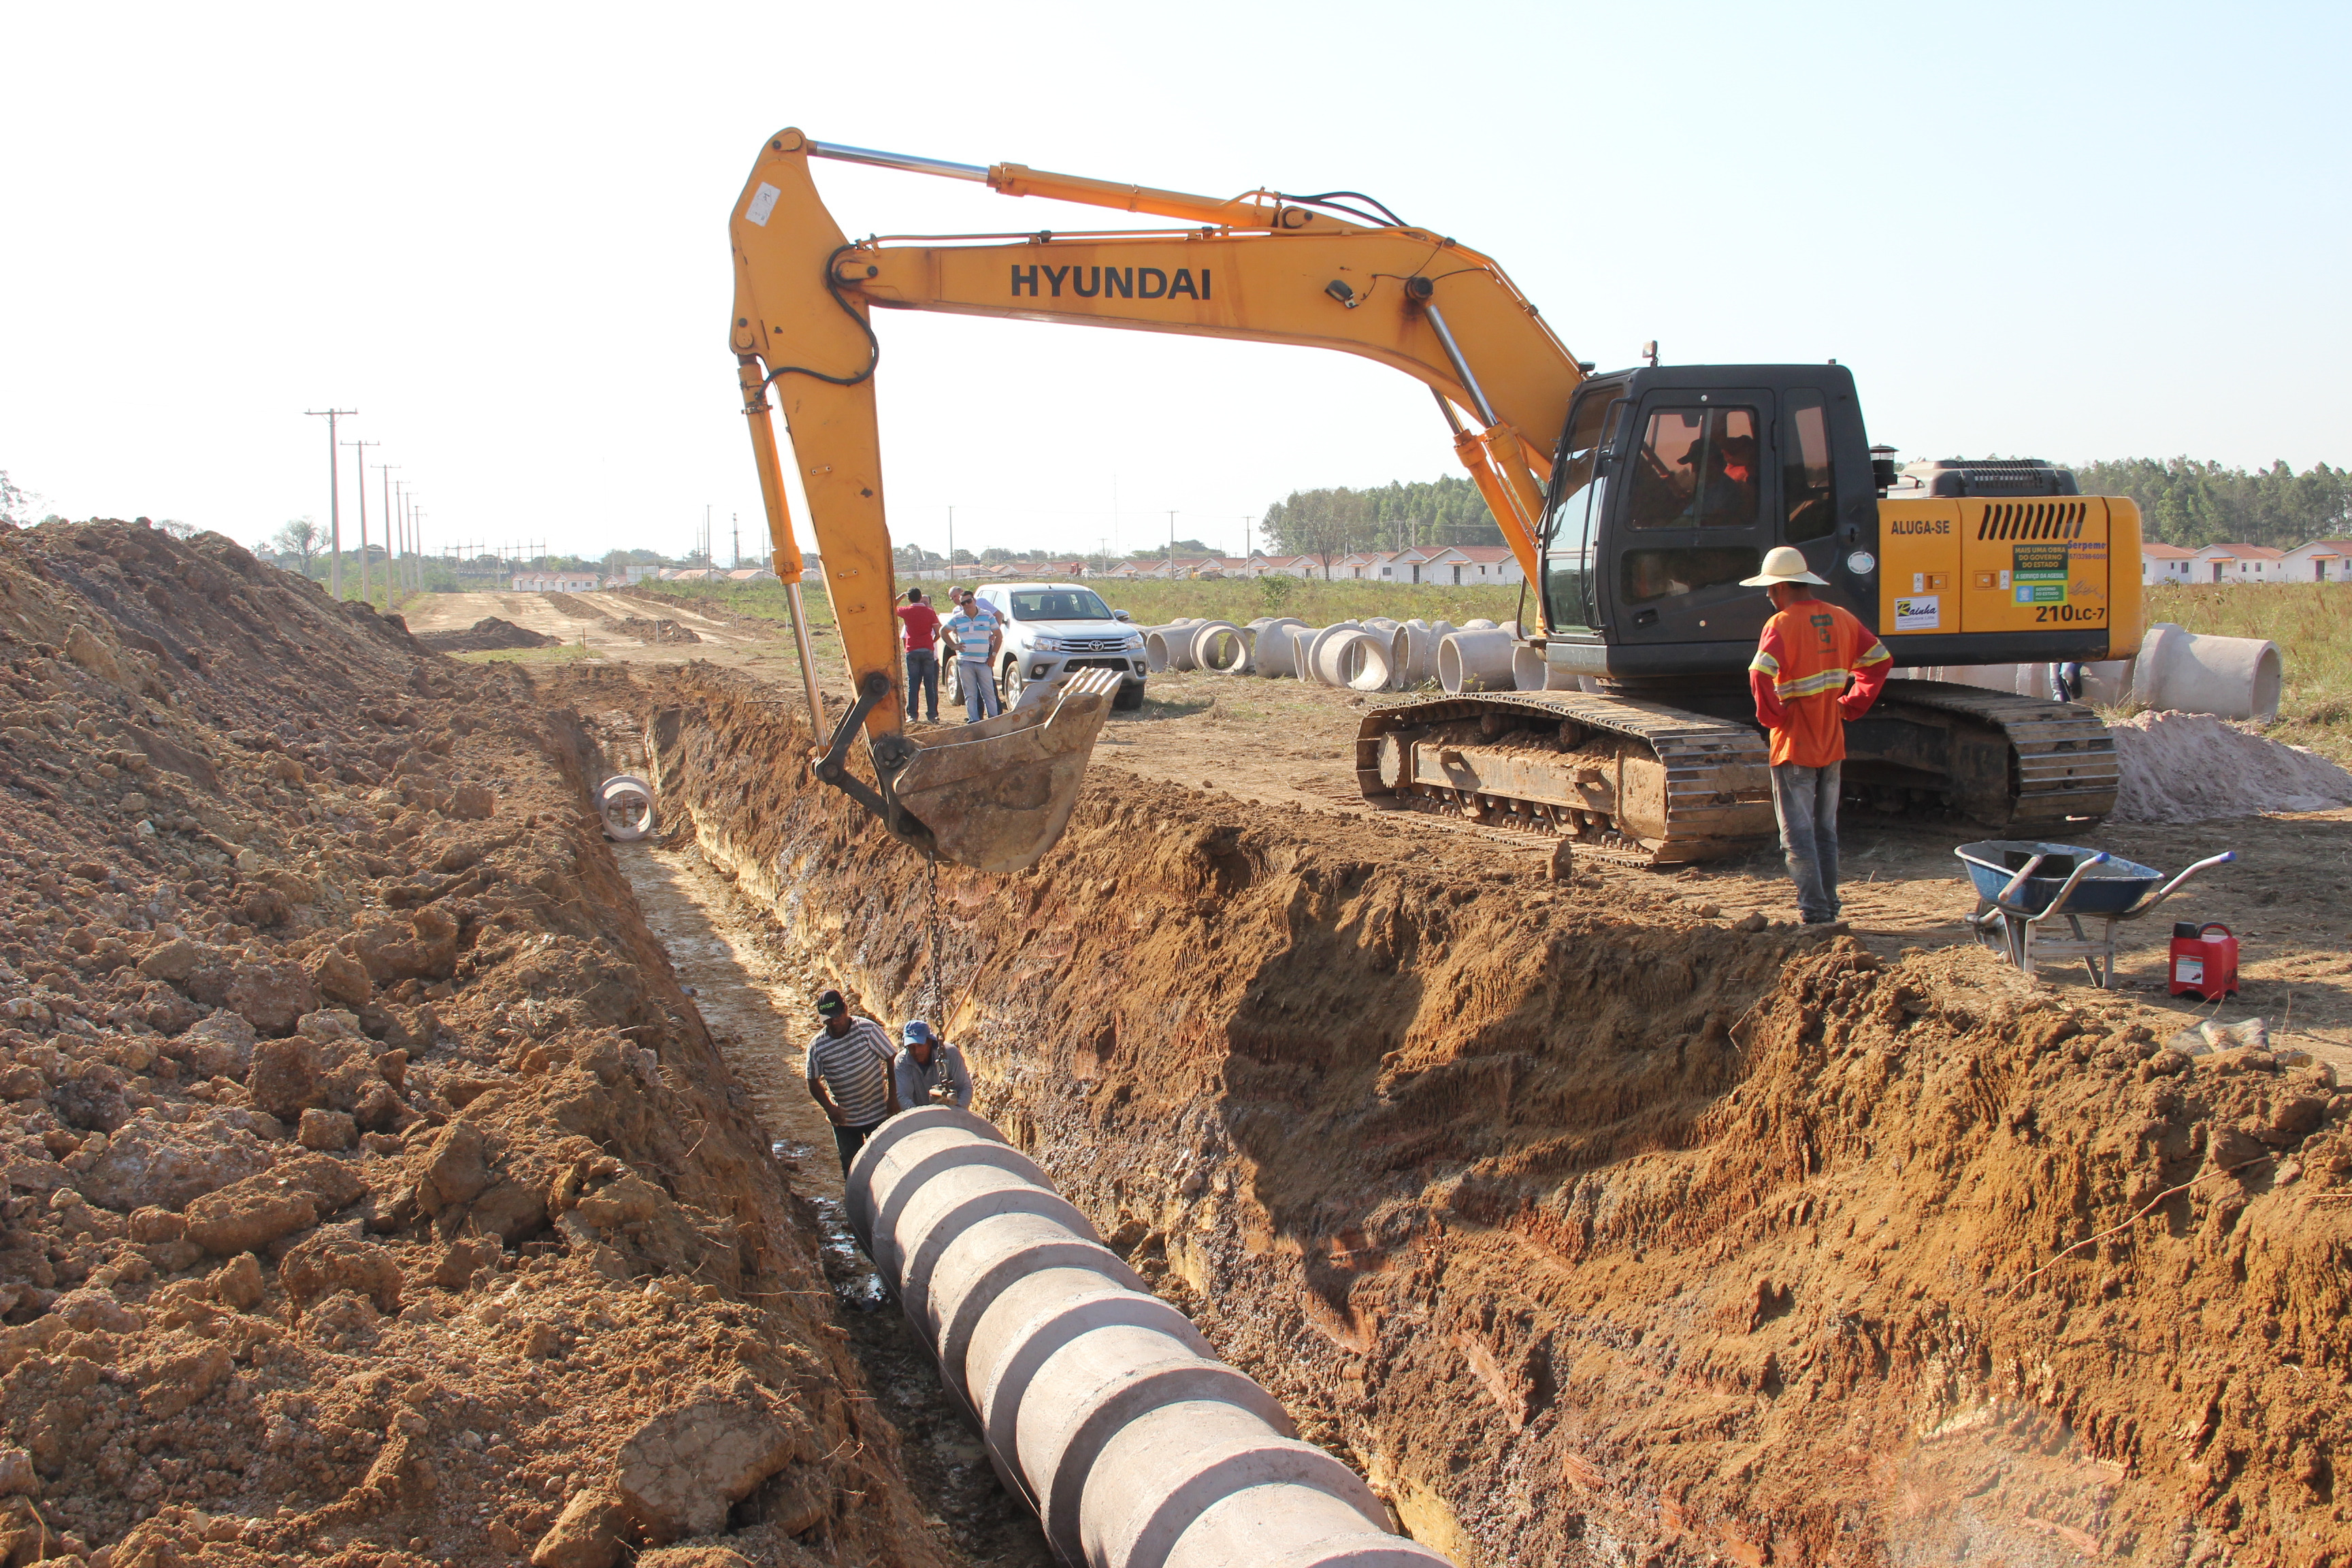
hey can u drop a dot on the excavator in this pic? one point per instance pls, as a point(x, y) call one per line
point(1633, 502)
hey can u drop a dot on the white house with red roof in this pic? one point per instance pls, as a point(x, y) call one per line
point(2238, 563)
point(2320, 561)
point(2161, 563)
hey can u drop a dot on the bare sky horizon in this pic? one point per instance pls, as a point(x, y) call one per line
point(500, 233)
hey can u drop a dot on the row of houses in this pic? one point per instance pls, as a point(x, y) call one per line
point(589, 582)
point(1448, 566)
point(2320, 561)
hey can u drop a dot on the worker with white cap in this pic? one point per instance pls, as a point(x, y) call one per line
point(1816, 668)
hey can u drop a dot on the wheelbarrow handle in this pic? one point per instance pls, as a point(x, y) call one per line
point(2024, 876)
point(2058, 904)
point(2167, 891)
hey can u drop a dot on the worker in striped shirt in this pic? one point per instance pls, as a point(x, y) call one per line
point(1816, 668)
point(849, 1075)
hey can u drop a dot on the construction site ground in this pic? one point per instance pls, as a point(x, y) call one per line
point(1290, 744)
point(398, 1171)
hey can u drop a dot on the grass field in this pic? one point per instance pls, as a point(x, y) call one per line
point(1156, 604)
point(2312, 625)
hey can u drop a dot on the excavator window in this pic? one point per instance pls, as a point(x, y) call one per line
point(1805, 485)
point(1575, 515)
point(1696, 468)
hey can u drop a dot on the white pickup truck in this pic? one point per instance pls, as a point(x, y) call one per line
point(1050, 628)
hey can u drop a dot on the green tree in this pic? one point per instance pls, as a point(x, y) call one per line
point(16, 504)
point(1399, 515)
point(2190, 503)
point(299, 538)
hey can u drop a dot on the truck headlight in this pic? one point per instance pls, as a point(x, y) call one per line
point(1046, 645)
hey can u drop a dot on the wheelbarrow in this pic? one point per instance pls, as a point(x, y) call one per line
point(2024, 884)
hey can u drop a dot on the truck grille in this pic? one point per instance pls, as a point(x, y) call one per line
point(1095, 645)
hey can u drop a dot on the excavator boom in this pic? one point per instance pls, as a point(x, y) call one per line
point(1314, 272)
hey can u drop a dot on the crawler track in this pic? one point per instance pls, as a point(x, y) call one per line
point(1643, 784)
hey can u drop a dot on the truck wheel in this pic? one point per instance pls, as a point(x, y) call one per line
point(1008, 684)
point(1130, 698)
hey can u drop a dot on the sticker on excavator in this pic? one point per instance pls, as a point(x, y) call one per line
point(2039, 573)
point(763, 201)
point(1915, 614)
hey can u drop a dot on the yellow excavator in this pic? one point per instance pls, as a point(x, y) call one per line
point(1633, 502)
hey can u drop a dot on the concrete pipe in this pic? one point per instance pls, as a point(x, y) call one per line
point(1310, 643)
point(1475, 659)
point(1098, 1402)
point(1274, 650)
point(1355, 659)
point(1169, 647)
point(2230, 678)
point(1221, 647)
point(626, 802)
point(1480, 625)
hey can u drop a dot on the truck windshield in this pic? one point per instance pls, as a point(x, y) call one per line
point(1058, 604)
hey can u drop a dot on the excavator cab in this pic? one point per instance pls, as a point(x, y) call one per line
point(1670, 485)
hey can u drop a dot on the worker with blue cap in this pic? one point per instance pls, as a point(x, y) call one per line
point(930, 1071)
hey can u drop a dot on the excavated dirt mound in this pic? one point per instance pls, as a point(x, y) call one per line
point(2192, 767)
point(1597, 1232)
point(487, 635)
point(373, 1194)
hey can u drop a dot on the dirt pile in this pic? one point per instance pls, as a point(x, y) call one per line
point(2192, 767)
point(372, 1192)
point(654, 631)
point(486, 636)
point(1594, 1230)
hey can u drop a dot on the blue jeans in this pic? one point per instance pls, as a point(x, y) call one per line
point(923, 680)
point(1806, 802)
point(979, 690)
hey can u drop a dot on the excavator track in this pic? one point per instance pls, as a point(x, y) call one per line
point(1642, 783)
point(1628, 779)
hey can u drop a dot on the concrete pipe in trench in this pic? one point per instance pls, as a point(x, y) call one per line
point(626, 802)
point(1221, 647)
point(1098, 1402)
point(1475, 659)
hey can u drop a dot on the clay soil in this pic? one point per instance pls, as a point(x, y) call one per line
point(1614, 1219)
point(373, 1191)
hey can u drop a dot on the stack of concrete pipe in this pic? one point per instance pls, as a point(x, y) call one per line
point(1099, 1403)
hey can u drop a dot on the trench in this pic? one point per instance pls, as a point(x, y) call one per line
point(1587, 1228)
point(755, 993)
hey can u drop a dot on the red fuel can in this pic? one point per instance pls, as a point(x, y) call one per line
point(2204, 960)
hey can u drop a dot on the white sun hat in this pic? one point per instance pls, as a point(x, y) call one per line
point(1784, 564)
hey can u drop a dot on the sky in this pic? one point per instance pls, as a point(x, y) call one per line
point(500, 233)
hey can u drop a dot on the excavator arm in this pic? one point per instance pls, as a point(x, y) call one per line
point(1314, 272)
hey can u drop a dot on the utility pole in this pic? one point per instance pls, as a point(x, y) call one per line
point(362, 446)
point(702, 548)
point(384, 472)
point(951, 544)
point(1172, 546)
point(735, 521)
point(334, 501)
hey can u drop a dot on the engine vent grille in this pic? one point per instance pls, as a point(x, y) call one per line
point(2031, 519)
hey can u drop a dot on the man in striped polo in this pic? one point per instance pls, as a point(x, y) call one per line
point(849, 1075)
point(1816, 668)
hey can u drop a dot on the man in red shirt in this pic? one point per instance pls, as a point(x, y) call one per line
point(922, 630)
point(1810, 652)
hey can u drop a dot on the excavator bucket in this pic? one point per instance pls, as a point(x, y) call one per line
point(998, 796)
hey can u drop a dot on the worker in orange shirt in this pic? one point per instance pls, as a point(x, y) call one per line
point(1816, 667)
